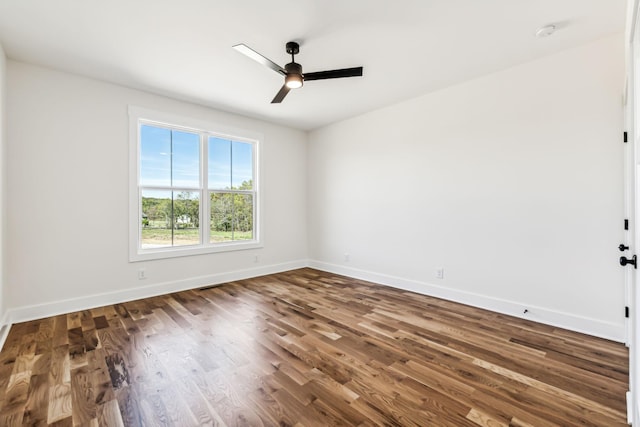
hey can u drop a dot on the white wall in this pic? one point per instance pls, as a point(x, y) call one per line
point(511, 182)
point(67, 197)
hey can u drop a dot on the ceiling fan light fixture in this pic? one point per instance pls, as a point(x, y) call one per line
point(293, 81)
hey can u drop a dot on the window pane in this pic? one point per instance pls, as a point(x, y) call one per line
point(221, 217)
point(170, 218)
point(242, 165)
point(231, 217)
point(156, 219)
point(186, 218)
point(186, 159)
point(155, 156)
point(219, 163)
point(243, 217)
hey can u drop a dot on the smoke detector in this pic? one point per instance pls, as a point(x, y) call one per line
point(545, 31)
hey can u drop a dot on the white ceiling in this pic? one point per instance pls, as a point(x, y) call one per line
point(182, 49)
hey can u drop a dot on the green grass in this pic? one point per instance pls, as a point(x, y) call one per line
point(188, 236)
point(226, 236)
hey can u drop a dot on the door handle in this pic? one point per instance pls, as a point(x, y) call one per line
point(633, 261)
point(622, 247)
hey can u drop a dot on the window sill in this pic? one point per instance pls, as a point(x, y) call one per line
point(176, 252)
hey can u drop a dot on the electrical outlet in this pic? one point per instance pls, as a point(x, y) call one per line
point(142, 274)
point(440, 273)
point(347, 257)
point(256, 259)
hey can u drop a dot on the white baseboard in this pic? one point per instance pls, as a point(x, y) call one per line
point(39, 311)
point(5, 325)
point(629, 397)
point(594, 327)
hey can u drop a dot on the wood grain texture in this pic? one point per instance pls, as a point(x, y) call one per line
point(305, 348)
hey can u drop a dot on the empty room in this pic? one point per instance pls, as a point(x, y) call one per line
point(314, 213)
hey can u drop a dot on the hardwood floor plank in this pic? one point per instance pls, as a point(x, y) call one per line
point(100, 379)
point(483, 419)
point(17, 390)
point(82, 397)
point(36, 410)
point(100, 322)
point(130, 408)
point(60, 335)
point(305, 348)
point(12, 416)
point(60, 403)
point(202, 411)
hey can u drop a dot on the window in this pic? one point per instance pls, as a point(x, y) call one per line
point(193, 187)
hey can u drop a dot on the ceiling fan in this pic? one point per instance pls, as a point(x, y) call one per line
point(292, 72)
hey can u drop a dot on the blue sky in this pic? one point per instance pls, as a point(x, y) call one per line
point(172, 158)
point(224, 153)
point(169, 158)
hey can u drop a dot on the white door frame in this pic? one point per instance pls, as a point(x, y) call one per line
point(632, 198)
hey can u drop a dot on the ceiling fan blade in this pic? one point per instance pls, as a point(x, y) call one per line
point(246, 50)
point(284, 90)
point(334, 74)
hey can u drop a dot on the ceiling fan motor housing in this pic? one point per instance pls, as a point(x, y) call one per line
point(293, 68)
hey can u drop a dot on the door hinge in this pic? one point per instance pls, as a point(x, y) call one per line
point(626, 312)
point(624, 137)
point(626, 224)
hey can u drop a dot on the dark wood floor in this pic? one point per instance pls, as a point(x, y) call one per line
point(305, 348)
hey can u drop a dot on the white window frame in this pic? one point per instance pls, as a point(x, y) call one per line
point(139, 116)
